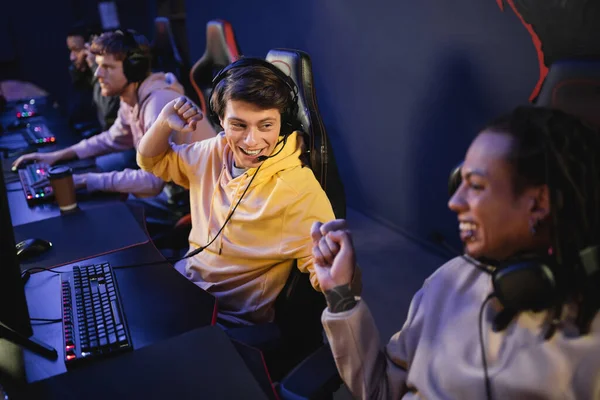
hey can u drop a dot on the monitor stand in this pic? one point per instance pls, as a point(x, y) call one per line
point(30, 343)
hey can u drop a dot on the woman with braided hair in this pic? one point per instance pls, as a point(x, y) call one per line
point(517, 315)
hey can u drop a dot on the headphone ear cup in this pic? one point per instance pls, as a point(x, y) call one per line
point(136, 64)
point(289, 118)
point(127, 69)
point(527, 285)
point(287, 127)
point(212, 115)
point(214, 118)
point(136, 67)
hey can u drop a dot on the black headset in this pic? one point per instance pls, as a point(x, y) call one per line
point(289, 116)
point(136, 64)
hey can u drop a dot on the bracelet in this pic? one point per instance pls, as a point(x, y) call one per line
point(340, 299)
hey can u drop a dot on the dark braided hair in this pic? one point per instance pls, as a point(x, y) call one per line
point(554, 148)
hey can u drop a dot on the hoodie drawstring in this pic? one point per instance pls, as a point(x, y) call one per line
point(234, 200)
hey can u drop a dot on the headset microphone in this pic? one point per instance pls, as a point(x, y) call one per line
point(265, 158)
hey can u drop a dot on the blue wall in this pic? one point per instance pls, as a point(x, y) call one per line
point(402, 87)
point(37, 32)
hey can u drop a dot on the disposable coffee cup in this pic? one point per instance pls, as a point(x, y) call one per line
point(61, 179)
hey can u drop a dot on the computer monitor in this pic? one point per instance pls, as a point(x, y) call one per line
point(13, 305)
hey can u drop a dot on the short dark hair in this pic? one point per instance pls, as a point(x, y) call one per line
point(254, 84)
point(80, 29)
point(557, 149)
point(119, 45)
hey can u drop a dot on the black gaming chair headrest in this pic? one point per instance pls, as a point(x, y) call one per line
point(221, 50)
point(297, 64)
point(573, 86)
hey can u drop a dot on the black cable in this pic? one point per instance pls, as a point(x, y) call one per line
point(487, 269)
point(28, 271)
point(25, 275)
point(48, 320)
point(265, 158)
point(170, 260)
point(488, 385)
point(199, 249)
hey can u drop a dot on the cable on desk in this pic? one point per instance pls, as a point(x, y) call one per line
point(43, 269)
point(167, 260)
point(47, 320)
point(25, 275)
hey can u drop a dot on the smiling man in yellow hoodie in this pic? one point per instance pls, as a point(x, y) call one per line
point(253, 201)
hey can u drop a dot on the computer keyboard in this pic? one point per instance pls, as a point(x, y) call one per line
point(29, 176)
point(94, 324)
point(38, 133)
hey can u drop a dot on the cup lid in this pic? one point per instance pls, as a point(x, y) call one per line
point(60, 171)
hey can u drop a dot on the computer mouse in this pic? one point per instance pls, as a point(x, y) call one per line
point(32, 247)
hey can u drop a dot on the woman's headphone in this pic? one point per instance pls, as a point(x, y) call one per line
point(289, 116)
point(136, 64)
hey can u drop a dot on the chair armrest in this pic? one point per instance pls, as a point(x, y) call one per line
point(314, 378)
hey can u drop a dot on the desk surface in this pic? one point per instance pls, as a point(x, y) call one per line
point(201, 364)
point(83, 234)
point(20, 211)
point(158, 301)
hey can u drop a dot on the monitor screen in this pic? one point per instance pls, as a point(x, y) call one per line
point(13, 306)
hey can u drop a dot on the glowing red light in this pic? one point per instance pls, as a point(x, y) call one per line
point(71, 356)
